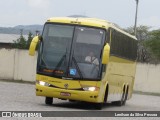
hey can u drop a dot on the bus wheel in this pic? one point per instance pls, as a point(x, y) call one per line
point(106, 95)
point(98, 106)
point(125, 97)
point(49, 100)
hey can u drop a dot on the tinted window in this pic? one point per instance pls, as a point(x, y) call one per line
point(123, 45)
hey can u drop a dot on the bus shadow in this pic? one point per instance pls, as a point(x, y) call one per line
point(80, 105)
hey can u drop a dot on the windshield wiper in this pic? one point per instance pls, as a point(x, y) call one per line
point(78, 69)
point(60, 62)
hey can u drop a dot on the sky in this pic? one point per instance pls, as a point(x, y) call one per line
point(121, 12)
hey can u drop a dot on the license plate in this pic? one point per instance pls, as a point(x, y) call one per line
point(65, 94)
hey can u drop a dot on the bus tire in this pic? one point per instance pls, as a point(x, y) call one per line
point(98, 106)
point(49, 100)
point(126, 95)
point(106, 95)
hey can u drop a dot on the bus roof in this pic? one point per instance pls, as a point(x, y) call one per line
point(88, 22)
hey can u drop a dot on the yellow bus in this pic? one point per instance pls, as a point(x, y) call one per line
point(84, 59)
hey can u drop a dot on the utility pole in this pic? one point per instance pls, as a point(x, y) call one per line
point(135, 25)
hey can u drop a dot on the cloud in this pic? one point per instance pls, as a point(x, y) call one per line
point(38, 3)
point(153, 21)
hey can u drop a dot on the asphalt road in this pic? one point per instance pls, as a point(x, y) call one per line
point(21, 97)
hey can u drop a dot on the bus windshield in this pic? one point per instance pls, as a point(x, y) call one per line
point(71, 51)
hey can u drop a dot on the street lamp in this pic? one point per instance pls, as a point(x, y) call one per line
point(135, 25)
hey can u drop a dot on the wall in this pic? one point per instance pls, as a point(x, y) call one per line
point(18, 65)
point(7, 63)
point(147, 78)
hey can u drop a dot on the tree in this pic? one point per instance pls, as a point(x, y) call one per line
point(142, 32)
point(142, 35)
point(22, 43)
point(30, 37)
point(153, 43)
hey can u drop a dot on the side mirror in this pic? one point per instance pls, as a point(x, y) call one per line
point(106, 52)
point(33, 45)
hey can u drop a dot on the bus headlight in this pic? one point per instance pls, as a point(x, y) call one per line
point(42, 83)
point(91, 88)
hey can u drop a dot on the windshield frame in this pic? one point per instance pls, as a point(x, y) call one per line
point(40, 66)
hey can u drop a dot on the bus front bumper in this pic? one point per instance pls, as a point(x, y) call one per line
point(79, 95)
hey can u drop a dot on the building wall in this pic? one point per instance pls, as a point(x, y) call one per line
point(18, 65)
